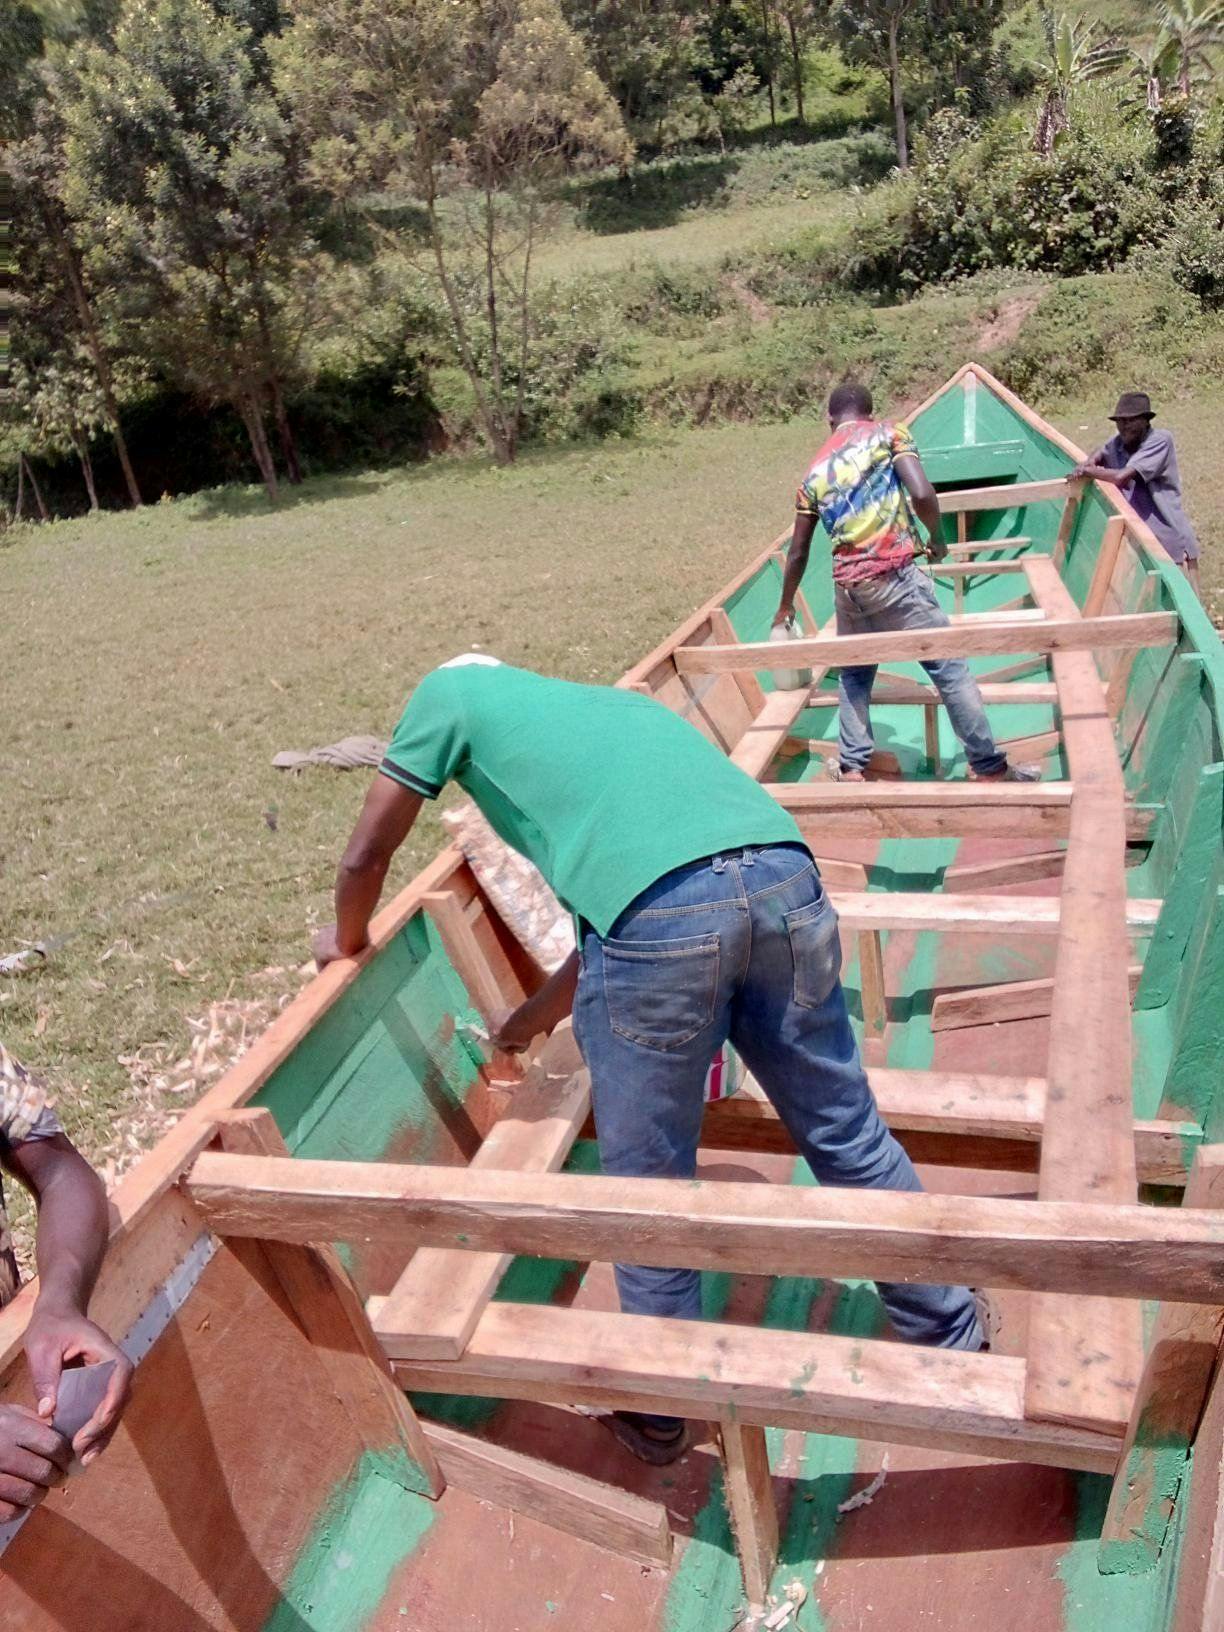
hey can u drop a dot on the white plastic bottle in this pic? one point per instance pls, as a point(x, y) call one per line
point(790, 679)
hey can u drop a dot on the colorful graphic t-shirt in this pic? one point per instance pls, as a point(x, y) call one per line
point(855, 493)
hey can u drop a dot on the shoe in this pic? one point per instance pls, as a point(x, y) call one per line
point(1009, 773)
point(837, 773)
point(645, 1439)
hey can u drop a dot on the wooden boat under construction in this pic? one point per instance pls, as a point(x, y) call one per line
point(369, 1292)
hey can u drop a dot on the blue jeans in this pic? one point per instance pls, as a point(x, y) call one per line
point(905, 599)
point(742, 946)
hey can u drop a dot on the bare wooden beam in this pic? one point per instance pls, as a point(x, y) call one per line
point(970, 639)
point(896, 689)
point(436, 1302)
point(1009, 496)
point(1010, 1000)
point(916, 810)
point(748, 1488)
point(871, 985)
point(1077, 1247)
point(983, 546)
point(1200, 1576)
point(961, 913)
point(986, 875)
point(1036, 745)
point(970, 1115)
point(1181, 1360)
point(328, 1307)
point(597, 1512)
point(757, 749)
point(1107, 560)
point(1085, 1355)
point(1066, 527)
point(816, 1383)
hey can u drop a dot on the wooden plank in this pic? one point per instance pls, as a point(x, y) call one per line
point(969, 639)
point(750, 687)
point(930, 727)
point(1016, 671)
point(871, 985)
point(1181, 1360)
point(1085, 1355)
point(923, 810)
point(985, 875)
point(882, 762)
point(1064, 1246)
point(757, 749)
point(436, 1302)
point(1007, 497)
point(988, 1121)
point(1034, 746)
point(1010, 1000)
point(983, 546)
point(811, 1382)
point(836, 874)
point(896, 689)
point(961, 913)
point(1007, 1001)
point(1066, 526)
point(1106, 562)
point(571, 1502)
point(748, 1491)
point(1200, 1578)
point(975, 569)
point(328, 1308)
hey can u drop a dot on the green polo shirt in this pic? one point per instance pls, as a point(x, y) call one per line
point(604, 790)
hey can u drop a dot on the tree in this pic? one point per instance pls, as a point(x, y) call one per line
point(50, 266)
point(799, 19)
point(649, 53)
point(478, 111)
point(187, 178)
point(876, 31)
point(1193, 27)
point(1154, 66)
point(62, 408)
point(1072, 58)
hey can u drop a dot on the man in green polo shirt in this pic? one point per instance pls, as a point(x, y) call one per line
point(700, 917)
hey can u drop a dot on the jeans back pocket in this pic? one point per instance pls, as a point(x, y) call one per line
point(661, 993)
point(815, 951)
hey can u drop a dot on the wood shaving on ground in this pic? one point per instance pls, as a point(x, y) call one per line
point(868, 1494)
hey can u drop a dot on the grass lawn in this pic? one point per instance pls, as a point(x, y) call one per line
point(156, 662)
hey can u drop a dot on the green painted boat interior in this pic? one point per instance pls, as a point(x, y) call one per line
point(388, 1071)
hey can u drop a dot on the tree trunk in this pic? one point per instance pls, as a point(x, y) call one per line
point(19, 503)
point(504, 442)
point(797, 64)
point(284, 432)
point(769, 78)
point(38, 498)
point(81, 443)
point(894, 85)
point(252, 417)
point(100, 362)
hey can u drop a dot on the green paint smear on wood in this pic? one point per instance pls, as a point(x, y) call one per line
point(367, 1529)
point(1155, 1465)
point(706, 1594)
point(1110, 1603)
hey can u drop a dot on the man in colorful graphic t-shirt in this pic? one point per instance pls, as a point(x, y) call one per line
point(864, 487)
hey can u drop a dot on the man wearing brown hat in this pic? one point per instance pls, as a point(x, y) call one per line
point(1143, 462)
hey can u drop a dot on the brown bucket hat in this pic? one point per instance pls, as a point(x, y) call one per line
point(1133, 405)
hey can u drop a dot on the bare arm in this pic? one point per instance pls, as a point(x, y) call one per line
point(796, 564)
point(543, 1011)
point(72, 1237)
point(1105, 473)
point(385, 822)
point(925, 501)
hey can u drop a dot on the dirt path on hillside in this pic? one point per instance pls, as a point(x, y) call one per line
point(1008, 320)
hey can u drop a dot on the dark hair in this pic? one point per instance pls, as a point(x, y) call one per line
point(850, 397)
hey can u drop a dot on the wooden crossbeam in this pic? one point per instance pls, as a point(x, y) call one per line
point(1107, 559)
point(1087, 1249)
point(812, 1382)
point(1066, 527)
point(961, 913)
point(467, 959)
point(986, 875)
point(975, 1111)
point(1006, 497)
point(1182, 1354)
point(1085, 1355)
point(974, 569)
point(982, 546)
point(896, 689)
point(328, 1306)
point(871, 986)
point(1010, 1000)
point(1200, 1576)
point(969, 639)
point(580, 1506)
point(442, 1293)
point(920, 810)
point(1036, 745)
point(757, 749)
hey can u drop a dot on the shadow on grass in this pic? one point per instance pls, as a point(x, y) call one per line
point(648, 198)
point(237, 503)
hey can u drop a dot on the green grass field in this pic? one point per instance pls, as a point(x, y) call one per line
point(156, 663)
